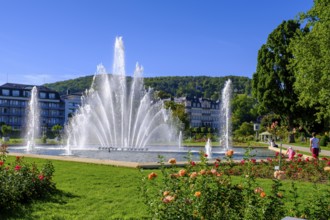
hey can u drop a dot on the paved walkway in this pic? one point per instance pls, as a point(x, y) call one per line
point(300, 149)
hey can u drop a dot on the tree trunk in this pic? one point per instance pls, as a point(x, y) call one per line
point(291, 138)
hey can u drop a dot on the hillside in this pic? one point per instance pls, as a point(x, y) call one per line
point(171, 86)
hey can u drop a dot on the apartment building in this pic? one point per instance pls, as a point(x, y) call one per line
point(14, 102)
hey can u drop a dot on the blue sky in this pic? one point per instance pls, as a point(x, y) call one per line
point(48, 41)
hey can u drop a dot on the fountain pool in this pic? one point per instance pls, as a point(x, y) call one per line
point(149, 154)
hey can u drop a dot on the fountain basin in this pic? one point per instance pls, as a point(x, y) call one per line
point(147, 155)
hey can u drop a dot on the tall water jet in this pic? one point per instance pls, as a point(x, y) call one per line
point(117, 112)
point(33, 123)
point(180, 140)
point(225, 116)
point(208, 148)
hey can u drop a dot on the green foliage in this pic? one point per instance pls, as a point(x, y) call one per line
point(178, 110)
point(273, 81)
point(73, 85)
point(246, 129)
point(324, 140)
point(22, 182)
point(312, 58)
point(243, 110)
point(56, 129)
point(96, 191)
point(201, 134)
point(202, 191)
point(44, 139)
point(5, 130)
point(175, 86)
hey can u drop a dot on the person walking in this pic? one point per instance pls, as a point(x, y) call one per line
point(314, 145)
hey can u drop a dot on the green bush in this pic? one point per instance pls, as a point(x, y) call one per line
point(324, 140)
point(202, 191)
point(22, 182)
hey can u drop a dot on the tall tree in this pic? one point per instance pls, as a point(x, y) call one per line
point(312, 60)
point(243, 110)
point(273, 81)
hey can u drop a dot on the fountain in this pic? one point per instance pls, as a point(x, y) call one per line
point(180, 140)
point(225, 115)
point(118, 113)
point(33, 124)
point(208, 148)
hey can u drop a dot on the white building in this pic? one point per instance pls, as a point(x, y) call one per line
point(202, 112)
point(72, 103)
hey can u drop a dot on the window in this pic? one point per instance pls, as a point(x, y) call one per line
point(27, 93)
point(52, 95)
point(44, 105)
point(54, 105)
point(42, 95)
point(54, 112)
point(15, 92)
point(5, 92)
point(15, 111)
point(14, 102)
point(4, 101)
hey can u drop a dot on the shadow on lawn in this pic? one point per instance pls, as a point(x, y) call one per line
point(25, 210)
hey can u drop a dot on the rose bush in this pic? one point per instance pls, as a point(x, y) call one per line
point(203, 191)
point(22, 182)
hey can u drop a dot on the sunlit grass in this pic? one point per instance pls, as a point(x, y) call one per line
point(91, 191)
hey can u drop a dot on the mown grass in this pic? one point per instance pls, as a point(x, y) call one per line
point(88, 191)
point(92, 191)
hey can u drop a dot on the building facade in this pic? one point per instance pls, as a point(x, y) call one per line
point(72, 102)
point(202, 112)
point(14, 102)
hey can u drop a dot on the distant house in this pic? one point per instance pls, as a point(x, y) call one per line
point(14, 101)
point(202, 112)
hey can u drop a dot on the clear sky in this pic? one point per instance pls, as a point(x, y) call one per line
point(44, 41)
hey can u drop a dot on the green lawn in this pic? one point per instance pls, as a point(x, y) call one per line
point(91, 191)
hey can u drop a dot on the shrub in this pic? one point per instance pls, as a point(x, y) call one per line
point(200, 191)
point(22, 182)
point(203, 191)
point(324, 140)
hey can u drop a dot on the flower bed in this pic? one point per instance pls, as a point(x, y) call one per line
point(199, 191)
point(296, 169)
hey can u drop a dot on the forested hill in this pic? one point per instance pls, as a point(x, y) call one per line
point(170, 86)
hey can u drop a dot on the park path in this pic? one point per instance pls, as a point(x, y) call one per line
point(306, 149)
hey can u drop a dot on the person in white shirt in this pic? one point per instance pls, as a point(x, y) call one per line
point(314, 145)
